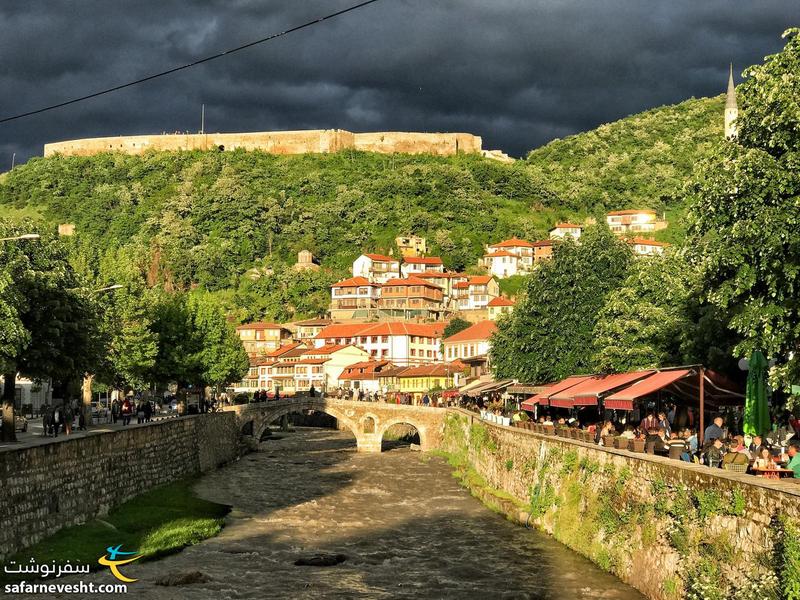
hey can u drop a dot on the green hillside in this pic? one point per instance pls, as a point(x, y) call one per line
point(636, 162)
point(212, 219)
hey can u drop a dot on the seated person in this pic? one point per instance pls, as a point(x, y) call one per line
point(691, 440)
point(656, 438)
point(713, 454)
point(764, 460)
point(756, 445)
point(794, 459)
point(737, 445)
point(675, 445)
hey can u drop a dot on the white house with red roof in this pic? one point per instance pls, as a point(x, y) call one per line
point(476, 292)
point(356, 293)
point(411, 297)
point(471, 346)
point(401, 343)
point(261, 338)
point(377, 268)
point(633, 222)
point(419, 264)
point(643, 247)
point(563, 230)
point(509, 257)
point(499, 306)
point(364, 375)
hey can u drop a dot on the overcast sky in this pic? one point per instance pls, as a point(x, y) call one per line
point(517, 72)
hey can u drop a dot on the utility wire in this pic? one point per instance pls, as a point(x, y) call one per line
point(189, 65)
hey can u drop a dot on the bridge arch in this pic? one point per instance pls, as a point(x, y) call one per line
point(271, 416)
point(404, 420)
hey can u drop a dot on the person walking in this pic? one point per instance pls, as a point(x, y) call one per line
point(126, 411)
point(114, 410)
point(69, 416)
point(55, 423)
point(148, 411)
point(47, 419)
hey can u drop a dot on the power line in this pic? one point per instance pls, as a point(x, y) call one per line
point(189, 65)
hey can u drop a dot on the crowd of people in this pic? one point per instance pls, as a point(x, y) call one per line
point(61, 418)
point(766, 456)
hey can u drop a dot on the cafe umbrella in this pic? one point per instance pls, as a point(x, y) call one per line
point(756, 409)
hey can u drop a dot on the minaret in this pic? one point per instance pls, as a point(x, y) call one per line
point(731, 110)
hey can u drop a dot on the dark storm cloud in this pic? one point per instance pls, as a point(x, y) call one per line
point(516, 72)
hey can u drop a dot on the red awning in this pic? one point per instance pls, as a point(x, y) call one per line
point(618, 404)
point(646, 386)
point(587, 392)
point(450, 394)
point(542, 398)
point(529, 404)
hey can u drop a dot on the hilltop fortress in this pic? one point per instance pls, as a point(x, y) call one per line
point(320, 141)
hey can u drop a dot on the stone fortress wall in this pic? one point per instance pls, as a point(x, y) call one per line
point(282, 142)
point(71, 480)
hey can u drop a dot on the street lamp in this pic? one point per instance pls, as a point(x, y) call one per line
point(25, 236)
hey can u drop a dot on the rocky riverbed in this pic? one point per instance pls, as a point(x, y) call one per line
point(394, 525)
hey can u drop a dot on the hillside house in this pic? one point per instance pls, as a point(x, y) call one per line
point(413, 265)
point(632, 222)
point(262, 338)
point(499, 306)
point(401, 343)
point(564, 230)
point(377, 268)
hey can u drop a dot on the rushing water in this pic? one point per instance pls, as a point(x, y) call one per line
point(407, 528)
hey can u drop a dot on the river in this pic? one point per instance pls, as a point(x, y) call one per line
point(406, 527)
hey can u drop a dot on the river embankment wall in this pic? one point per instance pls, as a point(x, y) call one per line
point(48, 487)
point(668, 528)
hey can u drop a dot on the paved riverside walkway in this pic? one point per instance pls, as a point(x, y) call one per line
point(33, 437)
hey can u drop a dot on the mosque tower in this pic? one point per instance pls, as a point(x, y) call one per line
point(731, 110)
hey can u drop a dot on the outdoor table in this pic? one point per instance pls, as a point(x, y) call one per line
point(773, 473)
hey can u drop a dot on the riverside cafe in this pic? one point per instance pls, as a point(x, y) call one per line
point(637, 392)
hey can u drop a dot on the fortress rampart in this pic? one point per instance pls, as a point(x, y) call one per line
point(277, 142)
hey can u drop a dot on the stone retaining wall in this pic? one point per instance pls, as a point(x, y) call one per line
point(48, 487)
point(666, 527)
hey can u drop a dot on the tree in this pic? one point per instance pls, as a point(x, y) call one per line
point(54, 325)
point(645, 322)
point(549, 334)
point(223, 358)
point(744, 224)
point(454, 326)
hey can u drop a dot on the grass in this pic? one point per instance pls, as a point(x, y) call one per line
point(160, 522)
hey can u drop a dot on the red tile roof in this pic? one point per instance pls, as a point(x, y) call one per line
point(422, 260)
point(461, 285)
point(284, 349)
point(380, 258)
point(500, 301)
point(512, 243)
point(312, 361)
point(498, 254)
point(542, 243)
point(355, 282)
point(645, 242)
point(313, 322)
point(435, 370)
point(347, 330)
point(259, 326)
point(329, 349)
point(480, 279)
point(632, 212)
point(412, 280)
point(368, 369)
point(482, 330)
point(436, 275)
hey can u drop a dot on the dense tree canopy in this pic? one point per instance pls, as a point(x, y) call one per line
point(745, 222)
point(549, 334)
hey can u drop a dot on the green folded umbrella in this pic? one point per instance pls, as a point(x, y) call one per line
point(756, 409)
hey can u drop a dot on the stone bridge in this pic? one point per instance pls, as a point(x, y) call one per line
point(367, 420)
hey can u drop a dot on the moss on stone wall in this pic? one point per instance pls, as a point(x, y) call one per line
point(669, 535)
